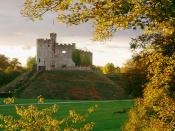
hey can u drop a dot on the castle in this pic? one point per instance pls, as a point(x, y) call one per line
point(52, 55)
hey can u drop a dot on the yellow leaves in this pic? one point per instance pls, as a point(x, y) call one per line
point(160, 115)
point(91, 109)
point(166, 28)
point(157, 108)
point(88, 127)
point(75, 118)
point(31, 118)
point(106, 15)
point(47, 2)
point(40, 99)
point(9, 100)
point(67, 129)
point(157, 102)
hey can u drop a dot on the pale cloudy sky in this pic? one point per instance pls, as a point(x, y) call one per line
point(18, 36)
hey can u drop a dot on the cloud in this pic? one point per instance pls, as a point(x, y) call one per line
point(21, 33)
point(27, 47)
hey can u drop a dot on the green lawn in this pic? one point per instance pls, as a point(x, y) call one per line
point(106, 117)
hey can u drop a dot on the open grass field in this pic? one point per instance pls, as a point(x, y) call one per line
point(108, 117)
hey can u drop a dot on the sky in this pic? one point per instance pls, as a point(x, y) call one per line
point(18, 36)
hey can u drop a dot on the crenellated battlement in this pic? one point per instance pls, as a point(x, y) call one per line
point(83, 51)
point(52, 55)
point(40, 40)
point(66, 45)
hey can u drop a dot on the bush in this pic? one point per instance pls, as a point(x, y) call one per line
point(34, 119)
point(109, 68)
point(156, 110)
point(40, 99)
point(9, 100)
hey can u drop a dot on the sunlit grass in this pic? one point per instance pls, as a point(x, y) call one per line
point(109, 115)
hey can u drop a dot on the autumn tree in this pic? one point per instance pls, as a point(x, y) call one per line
point(109, 68)
point(134, 71)
point(156, 110)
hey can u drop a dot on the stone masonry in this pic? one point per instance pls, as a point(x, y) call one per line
point(51, 55)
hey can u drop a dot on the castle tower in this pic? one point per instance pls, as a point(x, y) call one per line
point(53, 37)
point(51, 55)
point(40, 56)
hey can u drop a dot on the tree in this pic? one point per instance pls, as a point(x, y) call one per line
point(117, 69)
point(135, 73)
point(109, 68)
point(14, 65)
point(76, 57)
point(31, 63)
point(9, 69)
point(13, 70)
point(85, 59)
point(156, 110)
point(81, 58)
point(4, 62)
point(3, 78)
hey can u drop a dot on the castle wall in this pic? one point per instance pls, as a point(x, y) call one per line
point(51, 55)
point(63, 55)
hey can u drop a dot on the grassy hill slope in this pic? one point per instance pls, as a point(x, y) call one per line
point(81, 85)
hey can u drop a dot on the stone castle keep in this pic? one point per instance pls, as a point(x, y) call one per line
point(52, 55)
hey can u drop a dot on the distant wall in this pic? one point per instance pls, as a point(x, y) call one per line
point(74, 68)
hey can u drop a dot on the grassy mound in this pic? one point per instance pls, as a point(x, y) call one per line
point(80, 85)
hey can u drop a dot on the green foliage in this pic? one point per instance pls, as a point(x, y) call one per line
point(109, 68)
point(3, 78)
point(85, 59)
point(81, 58)
point(31, 118)
point(4, 62)
point(103, 119)
point(31, 63)
point(9, 69)
point(76, 57)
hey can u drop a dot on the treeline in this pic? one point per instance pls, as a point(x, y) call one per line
point(82, 58)
point(9, 69)
point(133, 75)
